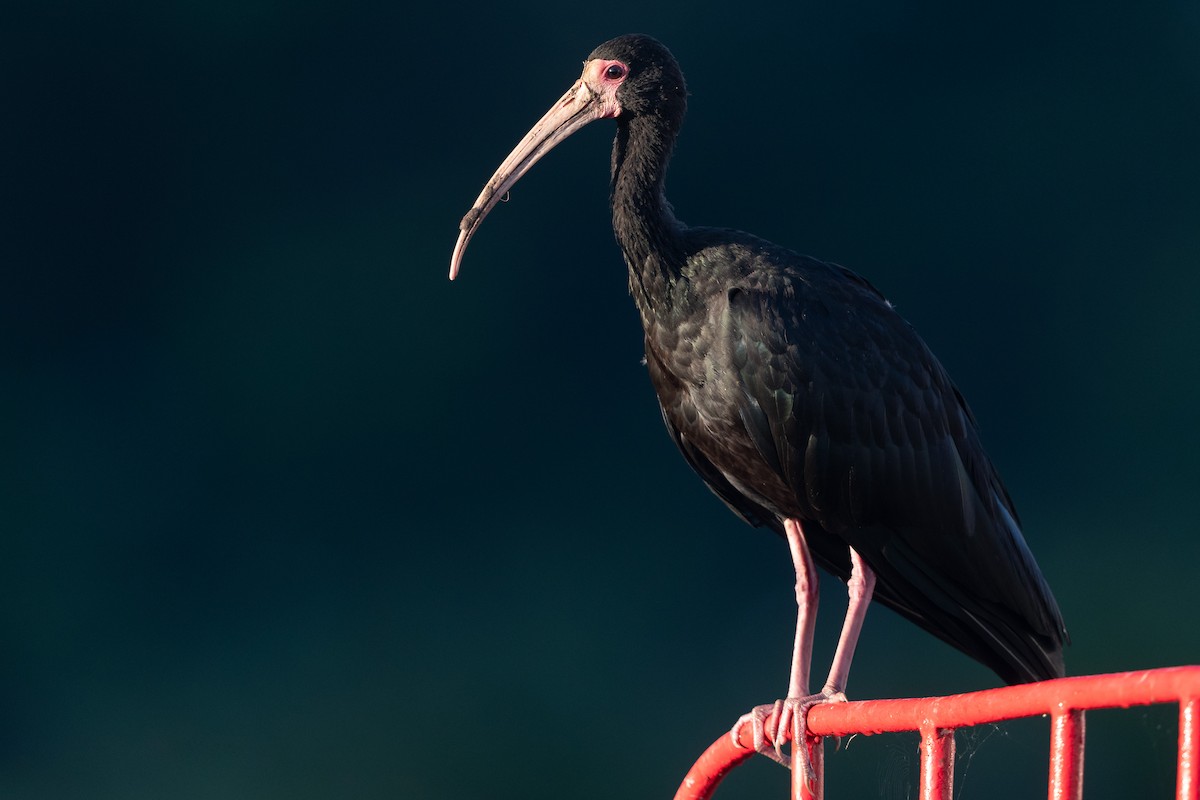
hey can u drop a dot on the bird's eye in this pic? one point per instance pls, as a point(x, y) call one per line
point(614, 72)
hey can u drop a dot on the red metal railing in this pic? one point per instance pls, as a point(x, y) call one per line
point(936, 719)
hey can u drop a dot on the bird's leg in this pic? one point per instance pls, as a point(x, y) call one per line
point(794, 709)
point(807, 591)
point(860, 587)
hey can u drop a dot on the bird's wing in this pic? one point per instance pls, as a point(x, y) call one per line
point(842, 397)
point(671, 400)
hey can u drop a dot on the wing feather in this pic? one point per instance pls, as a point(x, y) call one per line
point(847, 404)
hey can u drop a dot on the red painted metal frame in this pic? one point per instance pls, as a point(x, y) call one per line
point(936, 719)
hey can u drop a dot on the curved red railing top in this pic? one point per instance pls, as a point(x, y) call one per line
point(936, 718)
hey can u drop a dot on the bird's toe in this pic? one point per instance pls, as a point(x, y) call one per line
point(765, 730)
point(773, 725)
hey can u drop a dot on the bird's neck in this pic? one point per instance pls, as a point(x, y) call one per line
point(643, 221)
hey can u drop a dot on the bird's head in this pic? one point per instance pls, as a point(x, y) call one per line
point(625, 78)
point(647, 78)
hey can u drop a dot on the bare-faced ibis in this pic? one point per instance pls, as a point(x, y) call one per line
point(806, 403)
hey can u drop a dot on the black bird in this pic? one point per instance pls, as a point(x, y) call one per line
point(806, 403)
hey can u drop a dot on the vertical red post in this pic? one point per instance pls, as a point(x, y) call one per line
point(1066, 754)
point(816, 754)
point(937, 762)
point(1187, 779)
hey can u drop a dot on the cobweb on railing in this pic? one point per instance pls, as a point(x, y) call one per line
point(970, 742)
point(896, 771)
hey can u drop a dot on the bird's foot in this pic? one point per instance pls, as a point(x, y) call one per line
point(769, 725)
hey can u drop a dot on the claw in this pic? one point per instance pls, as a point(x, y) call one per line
point(774, 722)
point(757, 718)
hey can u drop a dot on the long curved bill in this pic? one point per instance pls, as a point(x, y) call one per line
point(579, 106)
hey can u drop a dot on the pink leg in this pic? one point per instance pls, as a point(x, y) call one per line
point(860, 587)
point(807, 593)
point(794, 709)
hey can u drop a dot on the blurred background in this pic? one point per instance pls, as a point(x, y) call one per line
point(286, 514)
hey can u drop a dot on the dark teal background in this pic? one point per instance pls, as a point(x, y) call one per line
point(286, 514)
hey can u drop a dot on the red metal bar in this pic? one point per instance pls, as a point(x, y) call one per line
point(723, 755)
point(1066, 754)
point(1118, 690)
point(1187, 778)
point(935, 718)
point(712, 766)
point(937, 763)
point(801, 790)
